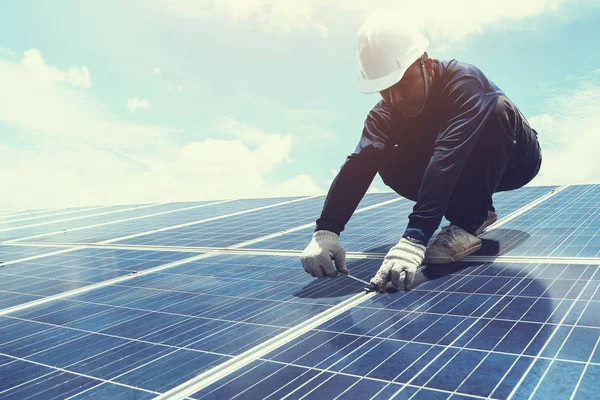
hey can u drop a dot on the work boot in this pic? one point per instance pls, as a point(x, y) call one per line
point(491, 218)
point(450, 245)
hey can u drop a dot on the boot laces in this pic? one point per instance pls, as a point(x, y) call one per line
point(448, 235)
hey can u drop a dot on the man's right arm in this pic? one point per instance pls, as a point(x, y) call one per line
point(348, 188)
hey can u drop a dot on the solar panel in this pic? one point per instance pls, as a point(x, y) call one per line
point(376, 230)
point(247, 322)
point(21, 282)
point(14, 252)
point(199, 313)
point(567, 225)
point(107, 226)
point(16, 220)
point(247, 227)
point(468, 331)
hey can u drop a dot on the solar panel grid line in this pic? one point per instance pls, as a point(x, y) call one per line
point(257, 312)
point(578, 223)
point(37, 244)
point(19, 219)
point(90, 333)
point(207, 219)
point(76, 218)
point(294, 253)
point(524, 209)
point(239, 228)
point(67, 250)
point(357, 383)
point(33, 281)
point(321, 371)
point(567, 338)
point(112, 222)
point(28, 382)
point(230, 366)
point(86, 391)
point(55, 368)
point(24, 211)
point(236, 229)
point(498, 319)
point(219, 308)
point(100, 284)
point(326, 380)
point(585, 368)
point(183, 249)
point(305, 226)
point(10, 212)
point(530, 259)
point(31, 382)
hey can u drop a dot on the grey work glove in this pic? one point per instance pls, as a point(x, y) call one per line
point(405, 256)
point(317, 257)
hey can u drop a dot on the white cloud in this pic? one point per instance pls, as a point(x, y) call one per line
point(137, 103)
point(177, 87)
point(64, 148)
point(76, 76)
point(268, 15)
point(156, 70)
point(443, 19)
point(568, 134)
point(8, 52)
point(300, 186)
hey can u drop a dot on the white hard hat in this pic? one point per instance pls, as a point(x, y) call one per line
point(386, 45)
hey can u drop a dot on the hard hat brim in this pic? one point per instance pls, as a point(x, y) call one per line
point(377, 85)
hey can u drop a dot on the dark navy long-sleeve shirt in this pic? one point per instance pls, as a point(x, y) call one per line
point(460, 101)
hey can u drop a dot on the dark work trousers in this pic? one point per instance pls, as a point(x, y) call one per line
point(506, 156)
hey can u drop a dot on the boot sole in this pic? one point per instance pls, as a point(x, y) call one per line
point(446, 260)
point(485, 225)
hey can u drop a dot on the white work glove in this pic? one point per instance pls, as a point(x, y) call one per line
point(405, 256)
point(316, 258)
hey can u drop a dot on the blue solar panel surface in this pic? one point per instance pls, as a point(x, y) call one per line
point(518, 328)
point(21, 282)
point(566, 225)
point(171, 324)
point(15, 214)
point(123, 228)
point(15, 252)
point(376, 230)
point(234, 230)
point(58, 215)
point(25, 229)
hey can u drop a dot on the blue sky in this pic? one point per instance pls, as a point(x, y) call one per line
point(111, 102)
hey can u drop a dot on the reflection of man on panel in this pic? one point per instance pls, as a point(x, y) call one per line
point(443, 135)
